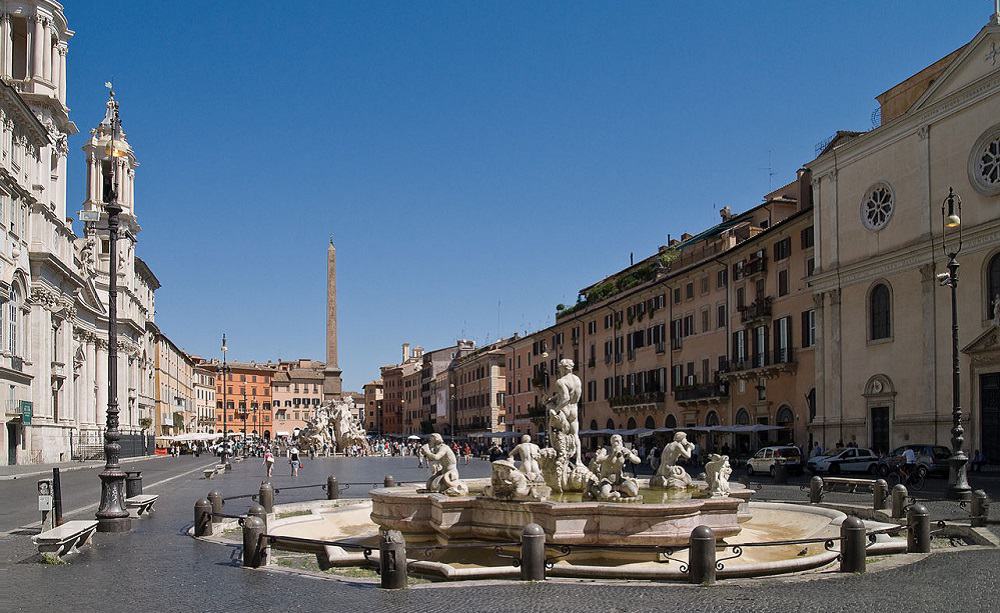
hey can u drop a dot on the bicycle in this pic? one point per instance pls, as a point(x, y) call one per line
point(914, 480)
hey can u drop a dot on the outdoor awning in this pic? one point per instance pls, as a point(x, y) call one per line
point(193, 436)
point(496, 435)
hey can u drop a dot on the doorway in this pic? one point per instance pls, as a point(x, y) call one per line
point(11, 443)
point(989, 406)
point(880, 430)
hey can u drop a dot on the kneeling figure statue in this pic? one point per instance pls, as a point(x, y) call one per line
point(670, 474)
point(717, 473)
point(609, 467)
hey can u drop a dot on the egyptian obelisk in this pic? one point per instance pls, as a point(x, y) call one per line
point(331, 372)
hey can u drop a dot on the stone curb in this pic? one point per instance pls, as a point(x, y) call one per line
point(76, 466)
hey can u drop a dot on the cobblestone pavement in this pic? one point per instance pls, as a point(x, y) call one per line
point(158, 568)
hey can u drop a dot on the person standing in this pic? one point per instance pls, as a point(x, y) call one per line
point(268, 463)
point(293, 460)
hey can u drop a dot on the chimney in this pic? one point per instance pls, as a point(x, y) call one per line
point(406, 351)
point(726, 213)
point(674, 242)
point(805, 188)
point(686, 236)
point(418, 352)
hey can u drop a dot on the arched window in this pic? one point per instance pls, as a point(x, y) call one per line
point(650, 424)
point(671, 422)
point(784, 417)
point(742, 418)
point(13, 321)
point(993, 283)
point(712, 419)
point(631, 423)
point(880, 312)
point(610, 425)
point(593, 424)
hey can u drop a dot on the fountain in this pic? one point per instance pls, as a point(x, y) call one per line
point(599, 504)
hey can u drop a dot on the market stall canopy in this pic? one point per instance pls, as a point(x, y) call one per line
point(496, 435)
point(194, 436)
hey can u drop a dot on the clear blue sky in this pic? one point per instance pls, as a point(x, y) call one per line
point(462, 153)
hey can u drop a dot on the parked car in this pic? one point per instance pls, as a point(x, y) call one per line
point(932, 460)
point(850, 460)
point(766, 458)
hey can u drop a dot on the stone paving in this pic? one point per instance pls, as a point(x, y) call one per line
point(158, 568)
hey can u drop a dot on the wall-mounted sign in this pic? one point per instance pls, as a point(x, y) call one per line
point(26, 411)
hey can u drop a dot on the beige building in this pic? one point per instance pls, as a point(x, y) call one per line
point(174, 376)
point(401, 393)
point(373, 391)
point(480, 386)
point(297, 391)
point(203, 384)
point(883, 320)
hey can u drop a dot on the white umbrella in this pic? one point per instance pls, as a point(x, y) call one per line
point(413, 437)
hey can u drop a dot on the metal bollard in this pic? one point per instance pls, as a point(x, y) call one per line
point(253, 530)
point(980, 509)
point(216, 499)
point(258, 511)
point(392, 559)
point(332, 488)
point(780, 473)
point(918, 529)
point(701, 559)
point(816, 490)
point(389, 481)
point(133, 483)
point(266, 497)
point(880, 491)
point(853, 541)
point(899, 495)
point(532, 553)
point(203, 518)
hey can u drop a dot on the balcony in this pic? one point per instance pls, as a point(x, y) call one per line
point(661, 347)
point(749, 267)
point(782, 359)
point(16, 363)
point(676, 343)
point(760, 309)
point(635, 402)
point(701, 393)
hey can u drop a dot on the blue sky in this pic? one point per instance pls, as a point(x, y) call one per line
point(477, 163)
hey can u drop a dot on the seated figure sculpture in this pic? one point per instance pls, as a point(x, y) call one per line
point(609, 467)
point(529, 454)
point(445, 479)
point(670, 475)
point(717, 473)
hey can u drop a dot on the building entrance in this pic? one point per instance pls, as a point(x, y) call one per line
point(880, 430)
point(989, 407)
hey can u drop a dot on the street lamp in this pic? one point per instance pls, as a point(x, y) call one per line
point(951, 220)
point(225, 402)
point(112, 516)
point(243, 415)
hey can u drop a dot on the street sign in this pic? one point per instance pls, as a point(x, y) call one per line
point(26, 412)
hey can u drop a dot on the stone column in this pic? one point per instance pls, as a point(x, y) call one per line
point(818, 359)
point(91, 176)
point(37, 38)
point(63, 50)
point(102, 393)
point(928, 293)
point(834, 367)
point(54, 67)
point(6, 48)
point(47, 50)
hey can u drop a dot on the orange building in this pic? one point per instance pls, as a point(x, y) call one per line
point(246, 394)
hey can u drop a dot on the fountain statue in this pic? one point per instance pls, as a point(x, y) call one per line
point(561, 465)
point(445, 479)
point(717, 473)
point(529, 454)
point(508, 483)
point(670, 474)
point(333, 425)
point(611, 482)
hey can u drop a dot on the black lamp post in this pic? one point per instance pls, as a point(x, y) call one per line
point(225, 402)
point(951, 220)
point(112, 516)
point(243, 415)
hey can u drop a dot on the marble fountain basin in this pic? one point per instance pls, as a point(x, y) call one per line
point(664, 517)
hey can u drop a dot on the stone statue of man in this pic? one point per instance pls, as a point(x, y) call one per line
point(529, 454)
point(445, 479)
point(996, 310)
point(563, 410)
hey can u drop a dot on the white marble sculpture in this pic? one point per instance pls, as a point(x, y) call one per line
point(508, 483)
point(445, 479)
point(334, 426)
point(529, 453)
point(608, 466)
point(564, 471)
point(670, 474)
point(717, 473)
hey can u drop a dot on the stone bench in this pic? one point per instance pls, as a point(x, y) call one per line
point(850, 484)
point(65, 539)
point(211, 472)
point(137, 505)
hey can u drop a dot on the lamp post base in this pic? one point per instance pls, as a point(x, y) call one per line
point(112, 516)
point(958, 482)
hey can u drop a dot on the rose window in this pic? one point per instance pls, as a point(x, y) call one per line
point(877, 207)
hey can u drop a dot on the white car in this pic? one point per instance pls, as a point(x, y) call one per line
point(850, 460)
point(765, 459)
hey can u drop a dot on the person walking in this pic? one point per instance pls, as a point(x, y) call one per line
point(293, 460)
point(268, 463)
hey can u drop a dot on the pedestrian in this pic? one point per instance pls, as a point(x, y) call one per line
point(293, 460)
point(268, 463)
point(654, 458)
point(467, 452)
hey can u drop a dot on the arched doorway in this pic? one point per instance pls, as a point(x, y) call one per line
point(593, 424)
point(785, 419)
point(670, 422)
point(880, 400)
point(711, 419)
point(631, 423)
point(650, 424)
point(742, 440)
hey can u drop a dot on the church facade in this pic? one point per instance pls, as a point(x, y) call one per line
point(53, 283)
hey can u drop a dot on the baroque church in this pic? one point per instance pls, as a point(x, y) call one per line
point(54, 283)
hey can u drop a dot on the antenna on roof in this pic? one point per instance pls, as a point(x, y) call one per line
point(770, 169)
